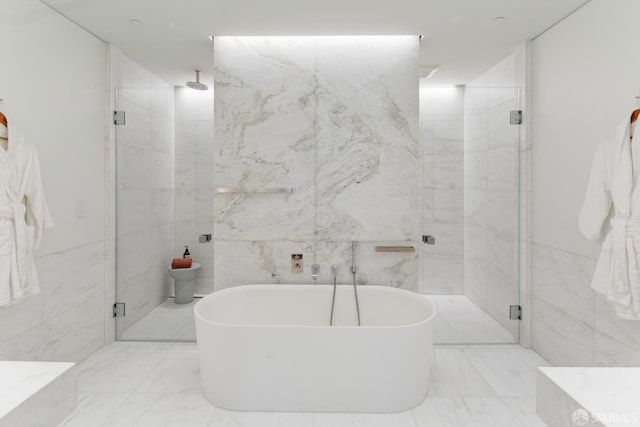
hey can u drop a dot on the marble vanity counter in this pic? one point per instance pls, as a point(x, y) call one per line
point(36, 393)
point(570, 397)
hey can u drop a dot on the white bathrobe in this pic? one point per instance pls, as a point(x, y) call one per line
point(612, 209)
point(23, 217)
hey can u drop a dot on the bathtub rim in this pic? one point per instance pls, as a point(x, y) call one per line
point(240, 288)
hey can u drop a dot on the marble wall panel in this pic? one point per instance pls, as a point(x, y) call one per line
point(73, 278)
point(443, 206)
point(26, 345)
point(447, 170)
point(136, 173)
point(185, 172)
point(270, 262)
point(162, 170)
point(66, 322)
point(442, 139)
point(559, 337)
point(476, 283)
point(442, 135)
point(17, 323)
point(572, 325)
point(335, 119)
point(195, 191)
point(562, 280)
point(502, 236)
point(441, 274)
point(476, 169)
point(138, 205)
point(133, 254)
point(162, 206)
point(75, 334)
point(266, 262)
point(502, 167)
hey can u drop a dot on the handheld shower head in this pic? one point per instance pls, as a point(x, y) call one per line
point(197, 85)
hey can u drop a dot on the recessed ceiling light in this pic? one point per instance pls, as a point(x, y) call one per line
point(498, 20)
point(135, 21)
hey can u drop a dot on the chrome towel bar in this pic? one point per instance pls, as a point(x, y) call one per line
point(253, 190)
point(395, 249)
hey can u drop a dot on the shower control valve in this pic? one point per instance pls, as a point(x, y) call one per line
point(296, 263)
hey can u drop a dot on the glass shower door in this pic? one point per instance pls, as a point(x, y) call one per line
point(145, 218)
point(492, 211)
point(472, 205)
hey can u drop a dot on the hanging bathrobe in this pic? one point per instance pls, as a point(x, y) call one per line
point(23, 217)
point(612, 209)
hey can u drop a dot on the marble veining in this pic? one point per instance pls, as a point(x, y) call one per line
point(339, 130)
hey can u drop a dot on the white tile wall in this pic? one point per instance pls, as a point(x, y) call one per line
point(194, 180)
point(66, 322)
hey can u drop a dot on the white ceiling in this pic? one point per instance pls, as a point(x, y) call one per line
point(459, 35)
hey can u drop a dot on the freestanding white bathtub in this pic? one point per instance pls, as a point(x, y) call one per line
point(270, 348)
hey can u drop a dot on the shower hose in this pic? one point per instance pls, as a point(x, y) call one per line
point(333, 299)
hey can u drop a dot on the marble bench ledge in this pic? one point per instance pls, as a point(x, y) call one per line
point(36, 393)
point(569, 397)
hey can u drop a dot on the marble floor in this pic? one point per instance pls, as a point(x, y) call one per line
point(167, 322)
point(158, 384)
point(460, 321)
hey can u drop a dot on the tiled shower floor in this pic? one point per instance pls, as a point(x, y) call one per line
point(157, 384)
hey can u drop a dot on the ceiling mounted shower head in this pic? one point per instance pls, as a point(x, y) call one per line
point(197, 85)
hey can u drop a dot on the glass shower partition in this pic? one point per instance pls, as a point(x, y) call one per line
point(472, 203)
point(492, 206)
point(145, 217)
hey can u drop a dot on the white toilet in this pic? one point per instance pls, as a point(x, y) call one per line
point(185, 279)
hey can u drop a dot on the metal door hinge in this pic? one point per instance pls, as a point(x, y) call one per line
point(515, 117)
point(515, 312)
point(118, 309)
point(119, 118)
